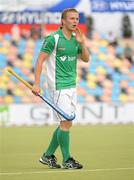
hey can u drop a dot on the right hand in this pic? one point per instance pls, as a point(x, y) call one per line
point(36, 89)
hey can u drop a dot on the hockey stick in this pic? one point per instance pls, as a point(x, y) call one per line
point(56, 108)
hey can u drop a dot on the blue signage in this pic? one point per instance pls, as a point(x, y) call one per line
point(112, 5)
point(33, 17)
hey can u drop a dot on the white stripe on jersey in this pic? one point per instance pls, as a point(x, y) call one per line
point(51, 66)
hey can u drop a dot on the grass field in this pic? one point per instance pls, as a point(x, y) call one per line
point(107, 153)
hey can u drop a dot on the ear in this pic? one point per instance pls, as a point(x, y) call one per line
point(62, 21)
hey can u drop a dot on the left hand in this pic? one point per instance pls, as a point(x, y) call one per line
point(79, 36)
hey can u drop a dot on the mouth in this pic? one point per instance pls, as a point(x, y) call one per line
point(74, 26)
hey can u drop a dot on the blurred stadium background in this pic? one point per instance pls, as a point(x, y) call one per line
point(105, 85)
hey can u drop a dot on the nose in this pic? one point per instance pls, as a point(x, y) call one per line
point(75, 21)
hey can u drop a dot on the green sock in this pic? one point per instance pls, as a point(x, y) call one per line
point(53, 144)
point(63, 139)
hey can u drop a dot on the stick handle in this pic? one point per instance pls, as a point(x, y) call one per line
point(19, 78)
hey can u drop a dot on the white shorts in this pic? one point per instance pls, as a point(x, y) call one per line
point(65, 99)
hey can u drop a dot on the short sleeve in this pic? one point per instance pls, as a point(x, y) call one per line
point(48, 44)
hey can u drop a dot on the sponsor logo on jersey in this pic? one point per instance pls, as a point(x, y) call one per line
point(63, 58)
point(69, 58)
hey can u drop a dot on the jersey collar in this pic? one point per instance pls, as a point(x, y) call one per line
point(61, 33)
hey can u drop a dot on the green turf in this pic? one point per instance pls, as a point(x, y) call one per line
point(107, 153)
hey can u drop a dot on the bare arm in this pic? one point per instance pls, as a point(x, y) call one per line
point(80, 38)
point(38, 69)
point(85, 54)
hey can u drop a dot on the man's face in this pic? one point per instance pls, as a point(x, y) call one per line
point(71, 21)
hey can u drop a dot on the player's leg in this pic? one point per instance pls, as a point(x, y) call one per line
point(53, 144)
point(48, 158)
point(61, 134)
point(67, 100)
point(64, 138)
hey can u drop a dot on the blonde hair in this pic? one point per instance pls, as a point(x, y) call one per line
point(64, 13)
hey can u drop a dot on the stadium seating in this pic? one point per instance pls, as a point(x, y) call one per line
point(109, 77)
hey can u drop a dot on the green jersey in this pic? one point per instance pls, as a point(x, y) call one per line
point(61, 65)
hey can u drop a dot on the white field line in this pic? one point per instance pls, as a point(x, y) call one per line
point(54, 171)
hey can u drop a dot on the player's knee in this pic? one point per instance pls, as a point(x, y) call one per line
point(65, 125)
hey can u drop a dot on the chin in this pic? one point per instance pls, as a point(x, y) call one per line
point(73, 28)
